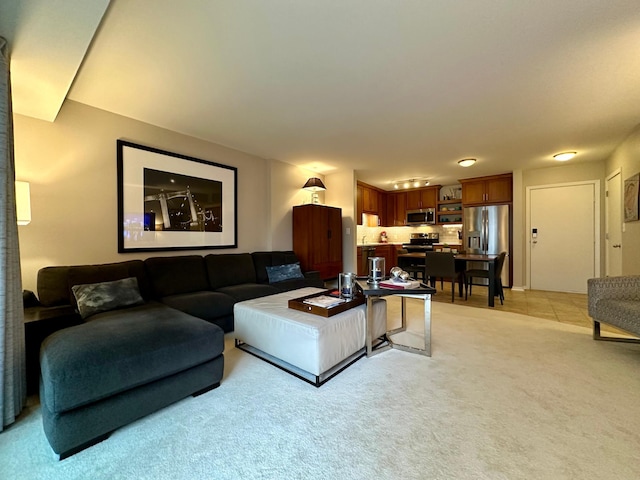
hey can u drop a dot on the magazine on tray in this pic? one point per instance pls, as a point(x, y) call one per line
point(400, 284)
point(324, 301)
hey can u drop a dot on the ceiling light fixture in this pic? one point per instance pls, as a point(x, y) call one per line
point(466, 162)
point(410, 183)
point(564, 156)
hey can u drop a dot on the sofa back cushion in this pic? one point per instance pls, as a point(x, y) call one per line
point(262, 260)
point(229, 269)
point(53, 286)
point(55, 283)
point(175, 275)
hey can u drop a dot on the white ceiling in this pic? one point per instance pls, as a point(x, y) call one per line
point(394, 89)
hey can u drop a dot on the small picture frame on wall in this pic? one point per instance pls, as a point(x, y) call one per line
point(631, 198)
point(169, 201)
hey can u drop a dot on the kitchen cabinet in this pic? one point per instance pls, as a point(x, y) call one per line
point(387, 251)
point(369, 200)
point(422, 198)
point(487, 190)
point(317, 238)
point(383, 216)
point(359, 203)
point(396, 209)
point(372, 201)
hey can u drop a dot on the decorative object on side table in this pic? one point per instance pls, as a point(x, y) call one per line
point(376, 269)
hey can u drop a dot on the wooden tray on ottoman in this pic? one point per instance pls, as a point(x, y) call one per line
point(298, 304)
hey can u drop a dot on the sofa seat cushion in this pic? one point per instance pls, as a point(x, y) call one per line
point(248, 291)
point(206, 305)
point(122, 349)
point(624, 314)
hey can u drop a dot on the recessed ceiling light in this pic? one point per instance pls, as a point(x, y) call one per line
point(466, 162)
point(396, 186)
point(416, 184)
point(564, 156)
point(406, 185)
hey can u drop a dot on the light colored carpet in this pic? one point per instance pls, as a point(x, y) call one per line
point(504, 396)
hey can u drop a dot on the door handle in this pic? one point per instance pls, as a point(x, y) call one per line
point(617, 245)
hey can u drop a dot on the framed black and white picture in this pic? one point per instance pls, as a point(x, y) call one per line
point(168, 201)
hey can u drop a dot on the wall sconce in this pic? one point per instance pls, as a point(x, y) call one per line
point(314, 185)
point(23, 203)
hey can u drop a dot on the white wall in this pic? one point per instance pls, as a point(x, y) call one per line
point(71, 165)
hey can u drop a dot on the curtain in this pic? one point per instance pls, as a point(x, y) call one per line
point(13, 383)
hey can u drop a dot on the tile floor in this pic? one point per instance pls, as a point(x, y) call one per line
point(558, 306)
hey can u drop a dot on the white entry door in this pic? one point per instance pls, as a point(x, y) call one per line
point(563, 223)
point(613, 237)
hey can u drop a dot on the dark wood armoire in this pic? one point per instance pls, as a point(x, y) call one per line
point(317, 238)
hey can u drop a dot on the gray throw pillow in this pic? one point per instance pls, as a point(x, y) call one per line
point(101, 297)
point(280, 273)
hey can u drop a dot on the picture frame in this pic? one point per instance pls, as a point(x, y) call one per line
point(631, 198)
point(169, 201)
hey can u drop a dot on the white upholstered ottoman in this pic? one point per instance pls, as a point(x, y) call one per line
point(309, 346)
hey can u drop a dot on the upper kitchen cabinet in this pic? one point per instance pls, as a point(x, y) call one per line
point(486, 190)
point(396, 209)
point(422, 198)
point(359, 203)
point(372, 201)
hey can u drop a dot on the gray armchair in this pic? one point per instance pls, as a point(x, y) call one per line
point(615, 301)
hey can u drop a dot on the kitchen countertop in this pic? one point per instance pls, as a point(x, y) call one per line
point(375, 244)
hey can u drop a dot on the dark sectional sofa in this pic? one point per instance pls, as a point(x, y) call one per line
point(122, 362)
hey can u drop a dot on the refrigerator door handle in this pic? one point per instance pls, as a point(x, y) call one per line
point(485, 230)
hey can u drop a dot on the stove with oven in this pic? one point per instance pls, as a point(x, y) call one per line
point(421, 242)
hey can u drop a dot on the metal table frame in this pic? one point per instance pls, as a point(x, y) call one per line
point(373, 292)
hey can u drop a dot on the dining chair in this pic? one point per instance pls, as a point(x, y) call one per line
point(442, 265)
point(482, 273)
point(414, 269)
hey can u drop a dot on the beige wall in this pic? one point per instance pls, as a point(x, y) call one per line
point(576, 172)
point(627, 158)
point(286, 191)
point(341, 192)
point(71, 165)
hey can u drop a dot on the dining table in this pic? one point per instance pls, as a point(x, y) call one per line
point(461, 262)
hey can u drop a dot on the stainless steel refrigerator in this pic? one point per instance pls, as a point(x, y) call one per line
point(486, 230)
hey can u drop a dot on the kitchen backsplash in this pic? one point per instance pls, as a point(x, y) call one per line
point(403, 234)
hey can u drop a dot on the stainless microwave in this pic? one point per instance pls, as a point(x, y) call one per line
point(426, 216)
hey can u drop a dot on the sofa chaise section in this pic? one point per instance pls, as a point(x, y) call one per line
point(122, 365)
